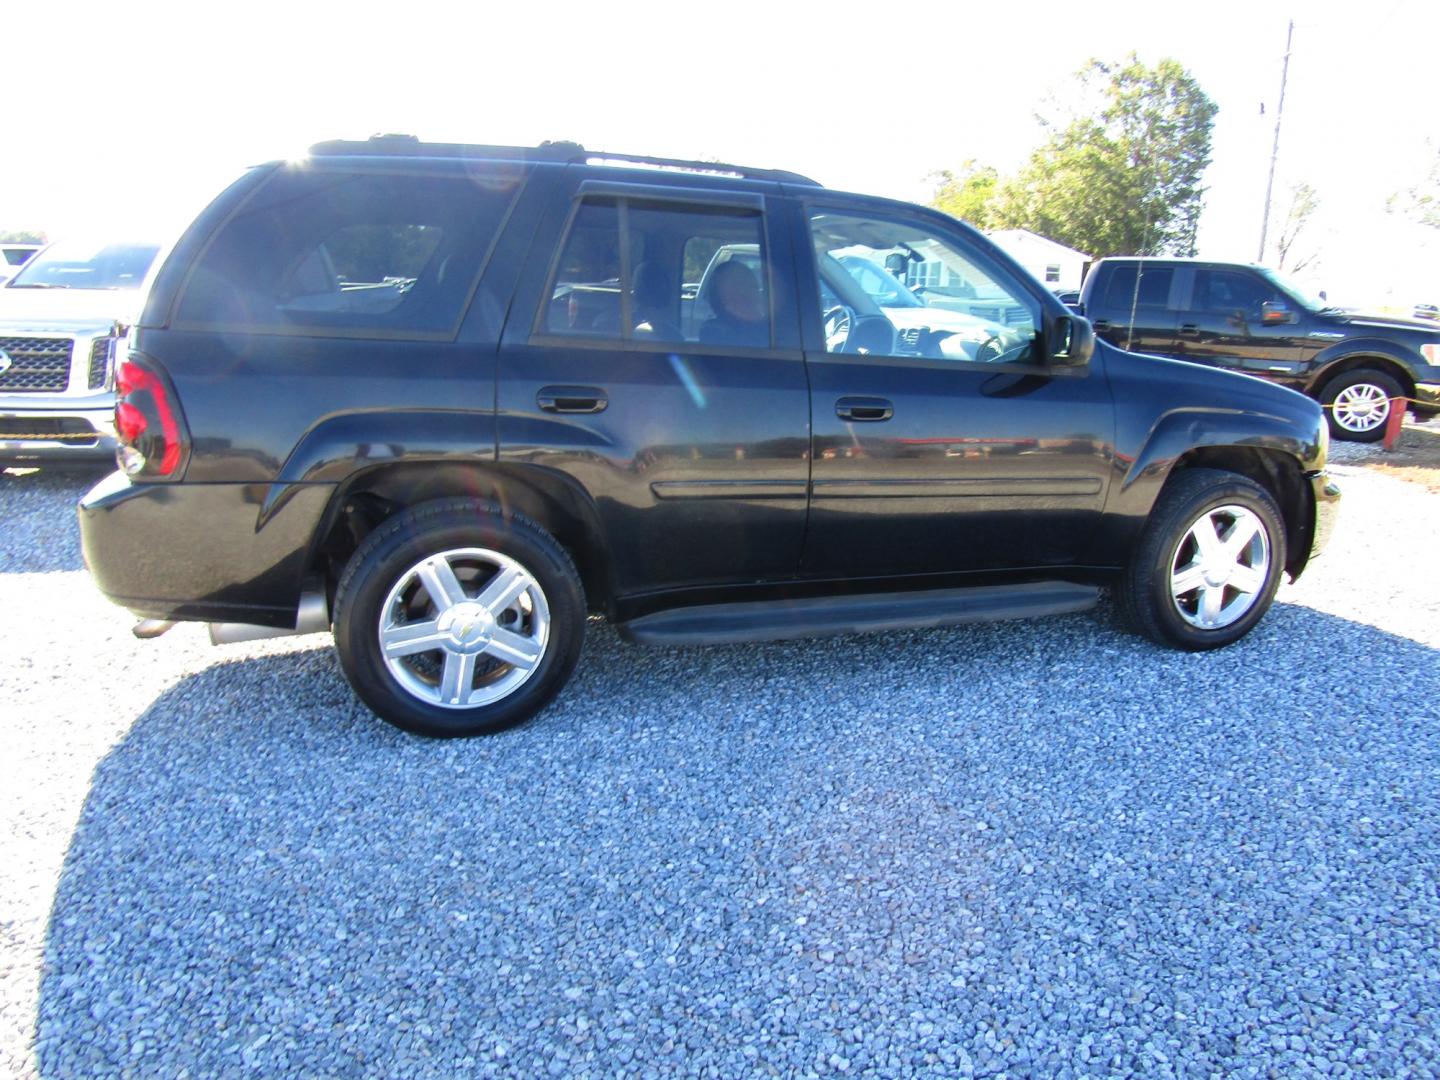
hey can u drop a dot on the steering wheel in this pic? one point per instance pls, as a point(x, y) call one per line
point(837, 321)
point(991, 351)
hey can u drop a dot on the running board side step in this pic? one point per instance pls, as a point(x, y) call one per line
point(776, 620)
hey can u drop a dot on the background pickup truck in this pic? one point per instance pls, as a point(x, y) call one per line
point(1250, 319)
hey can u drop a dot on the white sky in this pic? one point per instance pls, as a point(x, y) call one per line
point(126, 116)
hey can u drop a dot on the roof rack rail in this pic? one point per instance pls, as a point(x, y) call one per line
point(712, 168)
point(558, 150)
point(410, 145)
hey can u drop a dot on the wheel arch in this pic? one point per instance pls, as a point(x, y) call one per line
point(1275, 449)
point(1353, 361)
point(554, 501)
point(1280, 475)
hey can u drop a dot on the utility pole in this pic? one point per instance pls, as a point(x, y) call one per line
point(1275, 148)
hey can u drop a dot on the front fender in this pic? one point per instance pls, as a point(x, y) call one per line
point(1179, 431)
point(1145, 460)
point(1396, 354)
point(1400, 352)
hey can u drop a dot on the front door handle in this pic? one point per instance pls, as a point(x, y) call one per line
point(864, 409)
point(1189, 330)
point(572, 399)
point(1100, 325)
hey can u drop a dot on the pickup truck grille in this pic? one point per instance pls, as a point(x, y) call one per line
point(100, 361)
point(37, 365)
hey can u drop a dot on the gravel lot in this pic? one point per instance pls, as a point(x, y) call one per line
point(1041, 847)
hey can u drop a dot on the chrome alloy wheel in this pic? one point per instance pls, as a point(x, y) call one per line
point(1362, 407)
point(464, 628)
point(1220, 567)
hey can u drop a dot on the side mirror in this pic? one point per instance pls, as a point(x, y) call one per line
point(1275, 313)
point(1072, 341)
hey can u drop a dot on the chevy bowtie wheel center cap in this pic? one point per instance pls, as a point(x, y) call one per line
point(470, 626)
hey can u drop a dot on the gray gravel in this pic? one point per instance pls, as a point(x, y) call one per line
point(1042, 847)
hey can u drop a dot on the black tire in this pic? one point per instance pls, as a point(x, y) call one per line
point(1361, 378)
point(388, 558)
point(1145, 596)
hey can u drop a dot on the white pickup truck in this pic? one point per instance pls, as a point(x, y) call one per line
point(61, 318)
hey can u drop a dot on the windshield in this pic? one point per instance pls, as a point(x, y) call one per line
point(1303, 296)
point(882, 286)
point(73, 264)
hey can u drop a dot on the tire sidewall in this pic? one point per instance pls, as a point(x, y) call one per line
point(375, 569)
point(1161, 546)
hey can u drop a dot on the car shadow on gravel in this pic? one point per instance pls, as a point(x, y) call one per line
point(32, 496)
point(991, 841)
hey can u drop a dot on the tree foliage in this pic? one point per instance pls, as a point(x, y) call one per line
point(22, 236)
point(1420, 203)
point(1120, 173)
point(1303, 203)
point(968, 195)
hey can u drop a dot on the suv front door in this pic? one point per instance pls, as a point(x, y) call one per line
point(653, 357)
point(945, 444)
point(1222, 323)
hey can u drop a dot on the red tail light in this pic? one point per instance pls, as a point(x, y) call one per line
point(153, 440)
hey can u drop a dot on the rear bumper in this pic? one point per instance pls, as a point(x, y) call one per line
point(207, 552)
point(57, 431)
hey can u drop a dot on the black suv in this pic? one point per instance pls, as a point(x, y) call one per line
point(449, 399)
point(1248, 318)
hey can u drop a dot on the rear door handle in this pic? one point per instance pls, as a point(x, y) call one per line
point(572, 399)
point(1189, 330)
point(864, 409)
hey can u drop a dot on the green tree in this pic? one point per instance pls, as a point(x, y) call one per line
point(1121, 171)
point(968, 195)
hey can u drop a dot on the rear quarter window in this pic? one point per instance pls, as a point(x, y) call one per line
point(347, 254)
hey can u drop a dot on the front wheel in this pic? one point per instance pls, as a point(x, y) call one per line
point(1208, 563)
point(1357, 404)
point(453, 618)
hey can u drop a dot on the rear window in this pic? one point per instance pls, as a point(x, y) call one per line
point(347, 255)
point(1154, 287)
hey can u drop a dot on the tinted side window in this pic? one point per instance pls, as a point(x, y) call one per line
point(585, 295)
point(1154, 287)
point(1229, 291)
point(347, 254)
point(684, 274)
point(893, 287)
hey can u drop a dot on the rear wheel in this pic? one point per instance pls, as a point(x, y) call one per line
point(1357, 403)
point(1208, 562)
point(454, 619)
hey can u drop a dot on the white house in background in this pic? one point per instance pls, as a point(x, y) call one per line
point(1058, 266)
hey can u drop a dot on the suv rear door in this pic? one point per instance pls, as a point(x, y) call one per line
point(684, 417)
point(947, 447)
